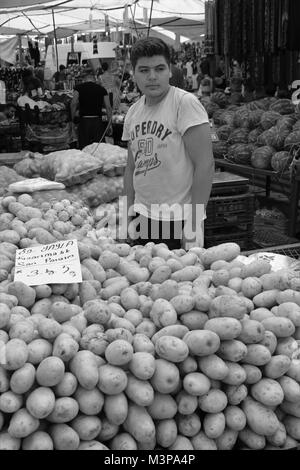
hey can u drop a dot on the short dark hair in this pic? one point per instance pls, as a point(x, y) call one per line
point(62, 67)
point(149, 47)
point(105, 66)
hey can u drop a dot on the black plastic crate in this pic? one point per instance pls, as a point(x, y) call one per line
point(292, 251)
point(243, 236)
point(230, 210)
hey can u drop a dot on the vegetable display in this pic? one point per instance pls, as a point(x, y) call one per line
point(155, 349)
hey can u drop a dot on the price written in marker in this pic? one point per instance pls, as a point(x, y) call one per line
point(57, 263)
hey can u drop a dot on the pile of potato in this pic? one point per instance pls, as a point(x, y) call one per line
point(153, 350)
point(25, 225)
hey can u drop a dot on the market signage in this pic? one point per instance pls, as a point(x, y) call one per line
point(73, 58)
point(56, 263)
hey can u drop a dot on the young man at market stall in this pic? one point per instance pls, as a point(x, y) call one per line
point(170, 160)
point(86, 110)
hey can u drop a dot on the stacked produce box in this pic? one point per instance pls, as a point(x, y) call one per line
point(153, 350)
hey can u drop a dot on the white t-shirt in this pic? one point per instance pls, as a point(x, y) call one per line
point(163, 169)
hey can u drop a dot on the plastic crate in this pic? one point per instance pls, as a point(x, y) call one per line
point(230, 210)
point(244, 238)
point(292, 251)
point(265, 238)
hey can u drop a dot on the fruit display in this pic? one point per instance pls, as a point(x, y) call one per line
point(267, 123)
point(155, 349)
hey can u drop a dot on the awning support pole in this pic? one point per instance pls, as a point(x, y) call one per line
point(55, 39)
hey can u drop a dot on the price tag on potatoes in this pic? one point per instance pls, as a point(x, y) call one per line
point(57, 263)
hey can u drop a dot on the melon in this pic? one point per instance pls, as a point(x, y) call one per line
point(292, 141)
point(253, 135)
point(220, 149)
point(224, 132)
point(283, 106)
point(281, 161)
point(269, 119)
point(220, 99)
point(262, 157)
point(239, 136)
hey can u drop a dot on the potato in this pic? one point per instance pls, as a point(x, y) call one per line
point(42, 307)
point(146, 328)
point(22, 379)
point(259, 314)
point(142, 365)
point(23, 330)
point(64, 437)
point(112, 380)
point(22, 424)
point(279, 438)
point(16, 354)
point(189, 425)
point(139, 424)
point(10, 402)
point(166, 432)
point(67, 386)
point(40, 402)
point(260, 419)
point(172, 349)
point(236, 374)
point(182, 303)
point(10, 236)
point(266, 299)
point(92, 445)
point(202, 442)
point(202, 302)
point(4, 315)
point(188, 273)
point(116, 408)
point(39, 440)
point(252, 332)
point(277, 367)
point(160, 274)
point(225, 328)
point(142, 343)
point(287, 346)
point(289, 310)
point(196, 384)
point(236, 393)
point(10, 300)
point(162, 407)
point(179, 331)
point(292, 425)
point(50, 371)
point(220, 277)
point(139, 391)
point(194, 320)
point(288, 295)
point(289, 408)
point(214, 425)
point(134, 316)
point(84, 366)
point(187, 404)
point(253, 374)
point(26, 295)
point(235, 418)
point(38, 350)
point(269, 341)
point(213, 367)
point(224, 252)
point(202, 342)
point(233, 350)
point(291, 389)
point(282, 327)
point(252, 440)
point(49, 329)
point(214, 401)
point(65, 409)
point(181, 443)
point(123, 441)
point(166, 376)
point(119, 352)
point(294, 370)
point(7, 442)
point(163, 313)
point(87, 427)
point(268, 392)
point(227, 306)
point(257, 355)
point(227, 440)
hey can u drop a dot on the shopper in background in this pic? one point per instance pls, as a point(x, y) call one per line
point(107, 80)
point(86, 110)
point(177, 78)
point(220, 76)
point(31, 85)
point(170, 159)
point(60, 77)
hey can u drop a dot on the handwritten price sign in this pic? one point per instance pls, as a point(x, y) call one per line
point(57, 263)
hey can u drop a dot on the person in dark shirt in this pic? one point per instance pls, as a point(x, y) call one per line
point(60, 77)
point(177, 78)
point(86, 108)
point(31, 85)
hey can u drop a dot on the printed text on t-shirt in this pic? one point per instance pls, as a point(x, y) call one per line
point(150, 128)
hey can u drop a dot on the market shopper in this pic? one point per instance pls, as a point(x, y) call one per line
point(86, 110)
point(170, 167)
